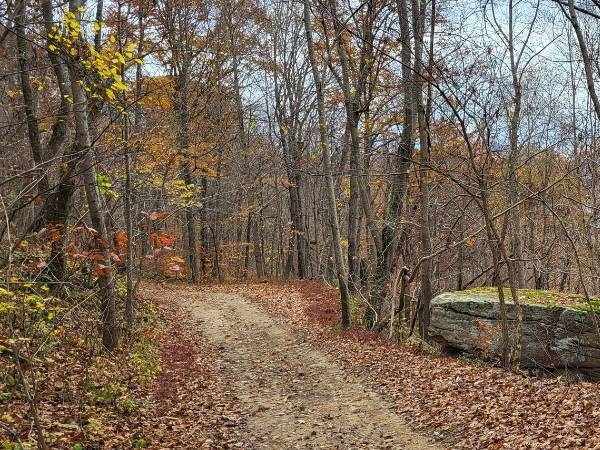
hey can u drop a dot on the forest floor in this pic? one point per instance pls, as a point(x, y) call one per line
point(298, 396)
point(266, 366)
point(291, 379)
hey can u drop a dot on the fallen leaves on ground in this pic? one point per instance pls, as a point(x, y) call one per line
point(471, 406)
point(160, 391)
point(192, 404)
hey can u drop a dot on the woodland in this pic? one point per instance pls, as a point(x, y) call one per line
point(178, 174)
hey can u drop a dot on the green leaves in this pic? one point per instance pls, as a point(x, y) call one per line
point(104, 185)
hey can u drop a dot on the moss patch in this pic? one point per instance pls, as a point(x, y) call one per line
point(541, 297)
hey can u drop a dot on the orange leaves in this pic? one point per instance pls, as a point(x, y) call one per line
point(121, 238)
point(162, 94)
point(170, 266)
point(102, 270)
point(55, 233)
point(166, 240)
point(95, 255)
point(161, 240)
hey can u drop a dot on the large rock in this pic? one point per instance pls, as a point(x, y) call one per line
point(554, 336)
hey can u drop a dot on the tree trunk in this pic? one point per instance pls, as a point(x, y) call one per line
point(331, 198)
point(96, 210)
point(353, 223)
point(513, 159)
point(29, 102)
point(424, 116)
point(183, 140)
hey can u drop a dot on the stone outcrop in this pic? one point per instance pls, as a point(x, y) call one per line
point(554, 336)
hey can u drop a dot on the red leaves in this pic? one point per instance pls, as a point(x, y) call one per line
point(161, 240)
point(54, 234)
point(102, 270)
point(166, 240)
point(95, 255)
point(121, 238)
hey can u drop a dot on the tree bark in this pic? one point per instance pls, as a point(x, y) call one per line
point(513, 159)
point(424, 116)
point(331, 197)
point(96, 210)
point(33, 130)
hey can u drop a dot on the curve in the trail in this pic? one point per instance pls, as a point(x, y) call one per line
point(298, 397)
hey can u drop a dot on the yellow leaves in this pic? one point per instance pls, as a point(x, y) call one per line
point(104, 66)
point(5, 307)
point(138, 60)
point(183, 194)
point(39, 85)
point(36, 302)
point(119, 86)
point(346, 186)
point(119, 58)
point(81, 9)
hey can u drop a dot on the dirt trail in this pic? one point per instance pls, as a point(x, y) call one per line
point(298, 397)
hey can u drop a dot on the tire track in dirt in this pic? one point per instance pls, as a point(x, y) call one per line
point(298, 397)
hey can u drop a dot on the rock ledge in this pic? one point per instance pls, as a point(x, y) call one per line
point(554, 336)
